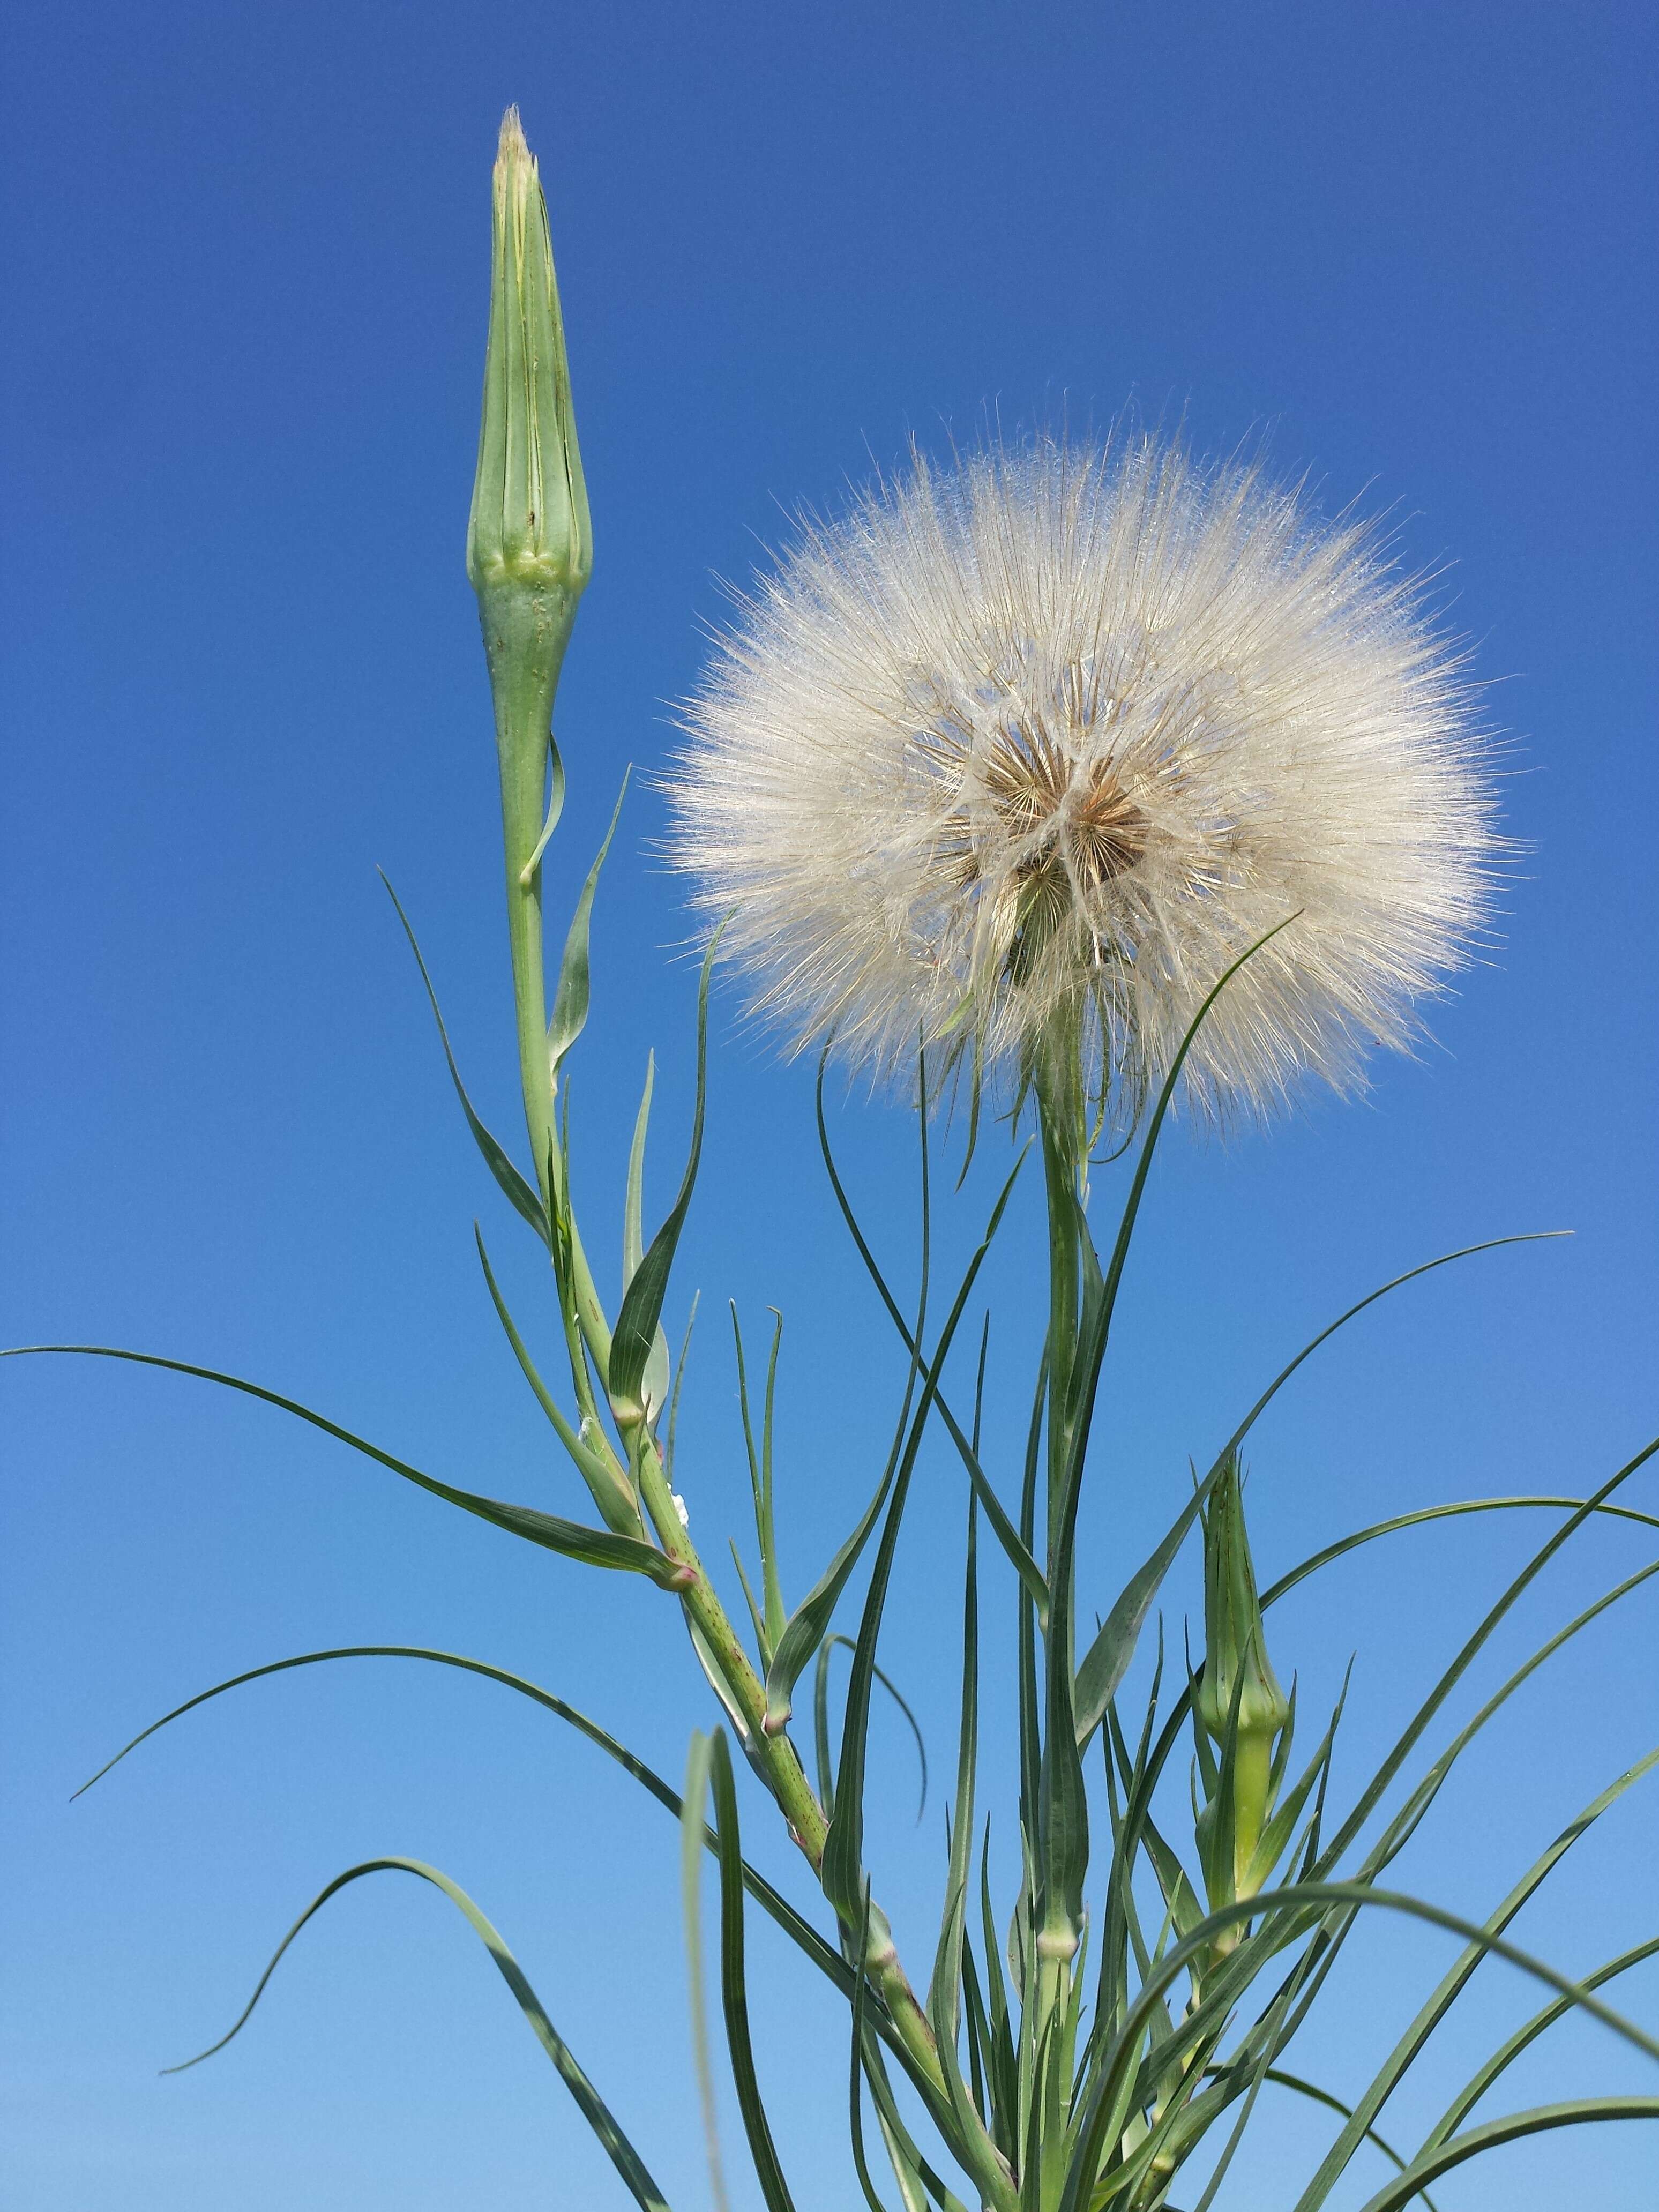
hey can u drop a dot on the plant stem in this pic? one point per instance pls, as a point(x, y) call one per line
point(776, 1754)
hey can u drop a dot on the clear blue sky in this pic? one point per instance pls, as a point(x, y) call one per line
point(245, 269)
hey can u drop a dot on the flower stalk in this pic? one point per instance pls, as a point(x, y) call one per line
point(529, 558)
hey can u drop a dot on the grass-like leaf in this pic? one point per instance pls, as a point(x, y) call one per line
point(1524, 2036)
point(734, 1993)
point(1297, 1899)
point(842, 1870)
point(692, 1826)
point(1107, 1660)
point(1018, 1551)
point(573, 991)
point(519, 1192)
point(612, 1493)
point(593, 2108)
point(771, 1902)
point(1427, 1513)
point(1439, 2002)
point(635, 1335)
point(1577, 2112)
point(597, 1548)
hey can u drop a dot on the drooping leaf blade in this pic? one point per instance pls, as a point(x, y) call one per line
point(527, 1201)
point(592, 2108)
point(800, 1932)
point(1515, 2128)
point(599, 1547)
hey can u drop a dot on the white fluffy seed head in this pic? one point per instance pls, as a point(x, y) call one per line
point(1061, 734)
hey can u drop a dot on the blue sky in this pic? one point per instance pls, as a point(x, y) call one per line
point(1410, 250)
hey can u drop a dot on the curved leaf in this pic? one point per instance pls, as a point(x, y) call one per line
point(1120, 2054)
point(1439, 2002)
point(596, 1547)
point(1579, 2111)
point(693, 1832)
point(1107, 1660)
point(527, 1201)
point(572, 993)
point(1019, 1552)
point(612, 1494)
point(634, 1337)
point(621, 2153)
point(801, 1932)
point(1346, 1544)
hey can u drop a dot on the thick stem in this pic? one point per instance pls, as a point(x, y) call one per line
point(526, 626)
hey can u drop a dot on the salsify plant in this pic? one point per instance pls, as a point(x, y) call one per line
point(1091, 783)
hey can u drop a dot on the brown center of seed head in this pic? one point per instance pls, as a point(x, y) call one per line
point(1030, 780)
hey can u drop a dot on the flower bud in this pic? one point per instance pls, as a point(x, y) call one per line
point(529, 553)
point(1235, 1661)
point(1238, 1703)
point(529, 527)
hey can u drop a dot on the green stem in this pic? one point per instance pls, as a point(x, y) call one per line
point(784, 1772)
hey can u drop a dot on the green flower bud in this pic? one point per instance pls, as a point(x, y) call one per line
point(530, 526)
point(529, 554)
point(1238, 1702)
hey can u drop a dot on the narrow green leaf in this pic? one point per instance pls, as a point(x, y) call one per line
point(598, 1547)
point(1019, 1552)
point(771, 1583)
point(1579, 2111)
point(657, 1367)
point(804, 1633)
point(842, 1868)
point(1077, 1378)
point(634, 1202)
point(574, 990)
point(554, 809)
point(527, 1201)
point(1527, 2033)
point(674, 1395)
point(855, 2090)
point(1451, 1985)
point(799, 1931)
point(1107, 1660)
point(635, 1334)
point(612, 1494)
point(1426, 1267)
point(902, 1702)
point(1346, 1544)
point(1092, 2136)
point(1318, 2096)
point(733, 1985)
point(592, 2108)
point(1369, 1796)
point(692, 1826)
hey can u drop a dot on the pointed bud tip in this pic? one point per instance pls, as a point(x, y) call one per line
point(511, 143)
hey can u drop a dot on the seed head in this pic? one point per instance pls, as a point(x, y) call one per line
point(1058, 735)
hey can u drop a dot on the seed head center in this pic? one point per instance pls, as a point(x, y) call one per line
point(1044, 797)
